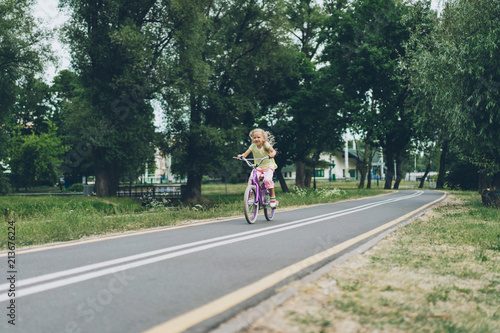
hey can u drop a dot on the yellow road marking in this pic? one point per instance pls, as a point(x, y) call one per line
point(224, 303)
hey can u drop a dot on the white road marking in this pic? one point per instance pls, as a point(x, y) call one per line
point(217, 306)
point(109, 267)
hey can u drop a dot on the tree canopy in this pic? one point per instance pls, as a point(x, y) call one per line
point(111, 53)
point(390, 71)
point(454, 75)
point(36, 159)
point(364, 44)
point(23, 52)
point(229, 62)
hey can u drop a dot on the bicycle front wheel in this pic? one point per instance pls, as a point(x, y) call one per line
point(251, 204)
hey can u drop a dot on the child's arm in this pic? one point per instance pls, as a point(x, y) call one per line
point(272, 152)
point(245, 154)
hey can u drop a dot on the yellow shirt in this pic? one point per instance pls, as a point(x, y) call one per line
point(261, 153)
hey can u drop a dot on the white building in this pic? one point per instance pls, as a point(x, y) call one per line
point(338, 166)
point(335, 171)
point(162, 173)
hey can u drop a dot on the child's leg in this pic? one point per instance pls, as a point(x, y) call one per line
point(268, 180)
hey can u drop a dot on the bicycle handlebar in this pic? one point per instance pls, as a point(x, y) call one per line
point(252, 159)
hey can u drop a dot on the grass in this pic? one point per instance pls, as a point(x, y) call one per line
point(440, 273)
point(48, 219)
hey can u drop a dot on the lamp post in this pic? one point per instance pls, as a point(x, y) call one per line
point(314, 175)
point(332, 165)
point(346, 160)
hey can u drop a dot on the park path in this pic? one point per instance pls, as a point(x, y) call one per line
point(189, 278)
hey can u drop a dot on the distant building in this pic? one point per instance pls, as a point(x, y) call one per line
point(162, 173)
point(338, 168)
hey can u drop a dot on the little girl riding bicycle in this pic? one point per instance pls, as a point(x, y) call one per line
point(261, 147)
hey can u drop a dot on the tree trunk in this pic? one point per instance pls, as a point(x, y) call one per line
point(422, 181)
point(310, 171)
point(284, 185)
point(496, 181)
point(308, 177)
point(369, 178)
point(488, 182)
point(299, 173)
point(442, 165)
point(106, 175)
point(482, 183)
point(363, 167)
point(390, 169)
point(194, 174)
point(369, 182)
point(193, 186)
point(399, 172)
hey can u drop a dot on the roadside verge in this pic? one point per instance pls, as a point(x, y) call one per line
point(439, 273)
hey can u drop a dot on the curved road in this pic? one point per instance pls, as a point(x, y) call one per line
point(189, 278)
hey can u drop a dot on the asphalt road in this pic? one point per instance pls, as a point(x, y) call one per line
point(189, 278)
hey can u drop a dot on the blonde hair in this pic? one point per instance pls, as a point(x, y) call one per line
point(267, 135)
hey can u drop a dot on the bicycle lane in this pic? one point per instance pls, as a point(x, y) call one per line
point(325, 239)
point(132, 283)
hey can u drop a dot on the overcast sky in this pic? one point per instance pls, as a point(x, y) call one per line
point(52, 17)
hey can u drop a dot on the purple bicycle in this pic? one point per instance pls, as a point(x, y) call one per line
point(256, 194)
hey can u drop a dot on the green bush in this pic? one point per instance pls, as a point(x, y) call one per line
point(161, 202)
point(76, 188)
point(234, 179)
point(462, 176)
point(4, 185)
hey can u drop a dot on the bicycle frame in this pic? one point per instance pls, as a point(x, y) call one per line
point(257, 183)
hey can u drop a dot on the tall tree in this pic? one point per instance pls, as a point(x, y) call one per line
point(316, 121)
point(364, 42)
point(32, 109)
point(23, 52)
point(307, 20)
point(430, 134)
point(68, 104)
point(111, 53)
point(226, 57)
point(457, 69)
point(314, 108)
point(476, 67)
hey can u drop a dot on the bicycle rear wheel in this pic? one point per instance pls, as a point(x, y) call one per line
point(268, 211)
point(251, 204)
